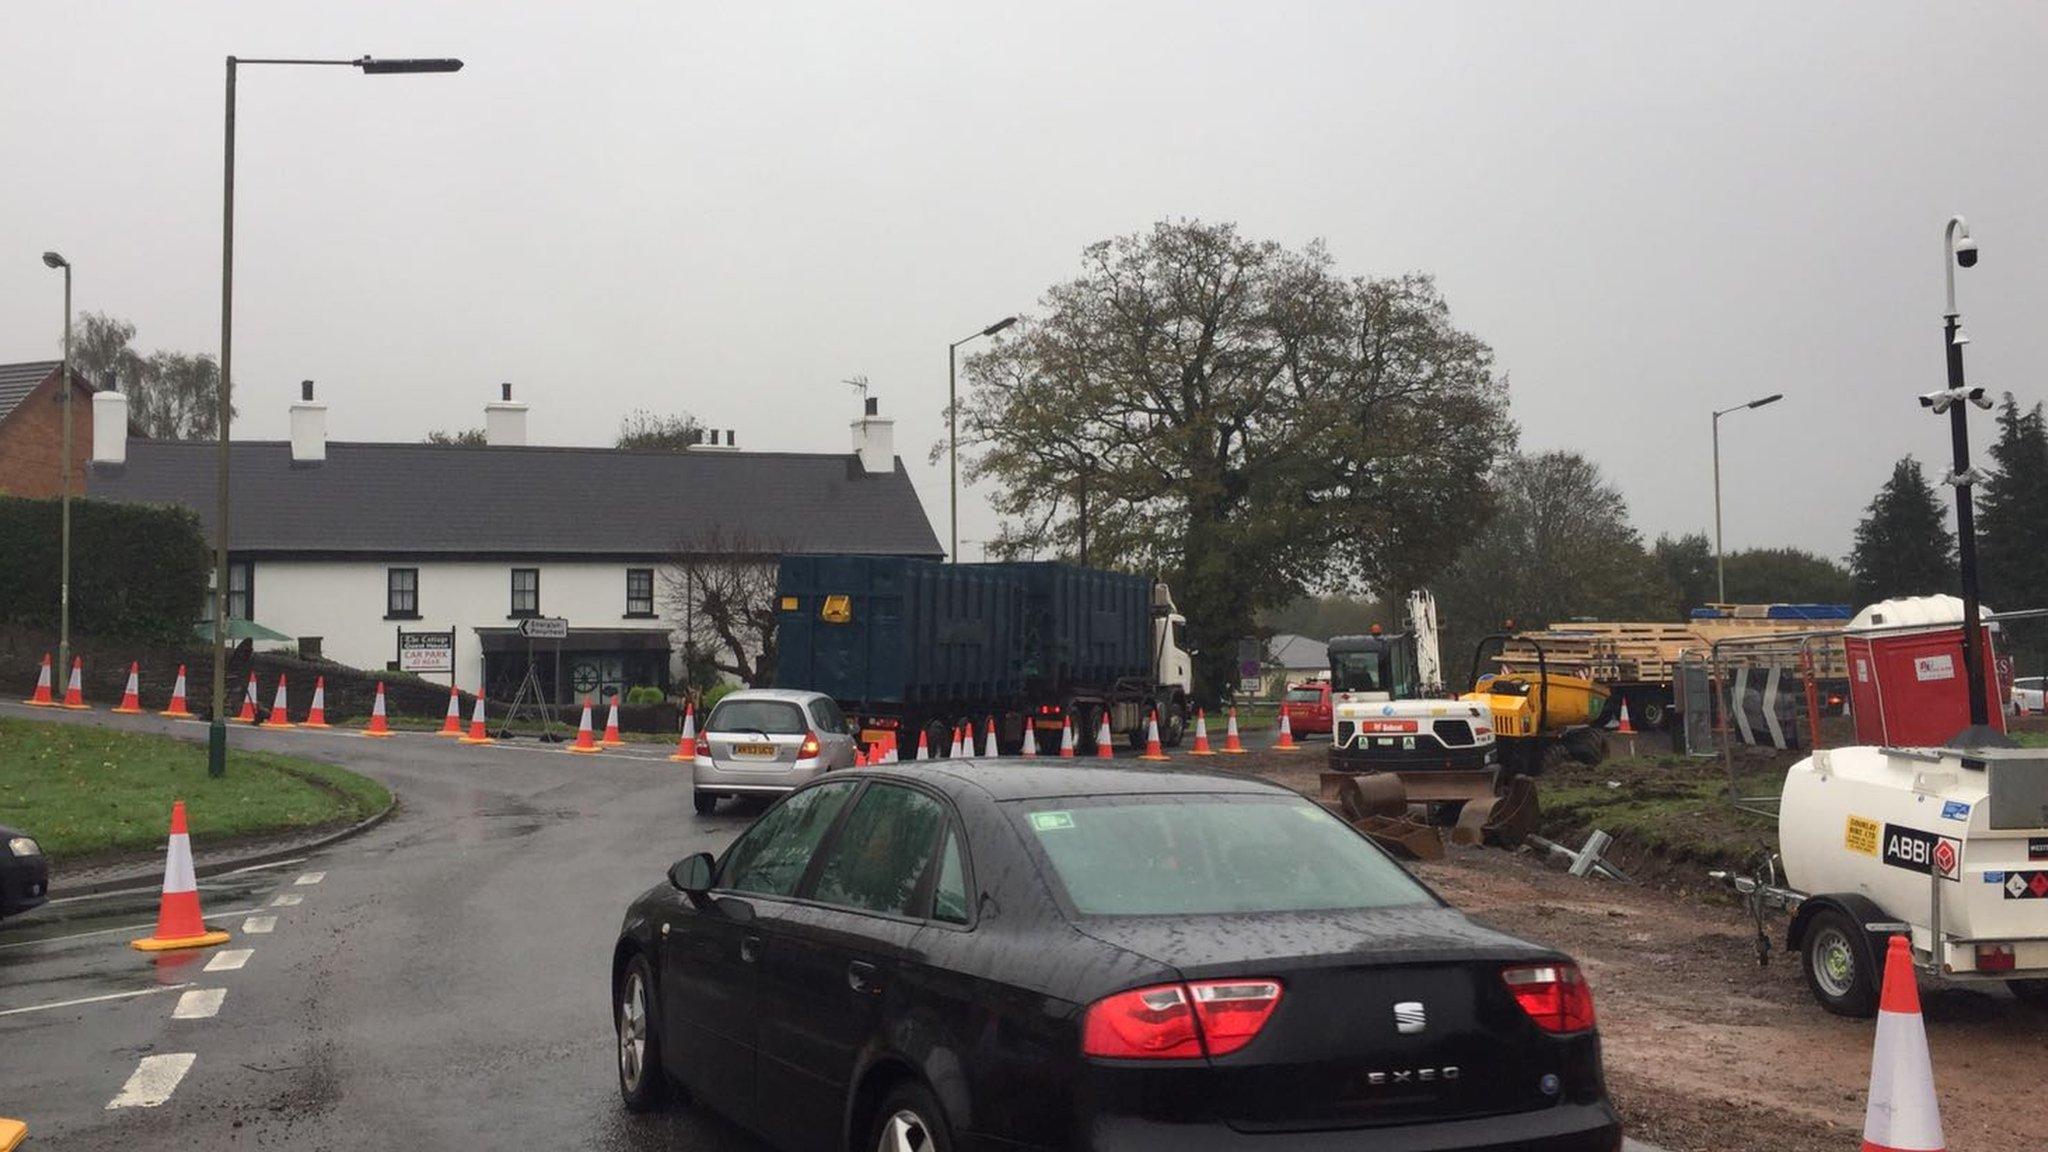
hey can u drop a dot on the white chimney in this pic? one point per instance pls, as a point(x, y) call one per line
point(874, 440)
point(309, 427)
point(109, 428)
point(505, 420)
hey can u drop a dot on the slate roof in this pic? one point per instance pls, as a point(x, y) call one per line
point(1297, 653)
point(18, 380)
point(460, 500)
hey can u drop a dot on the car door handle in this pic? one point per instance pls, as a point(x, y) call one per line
point(860, 976)
point(750, 948)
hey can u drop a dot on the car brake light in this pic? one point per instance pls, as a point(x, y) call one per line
point(1179, 1021)
point(1555, 996)
point(1995, 958)
point(809, 748)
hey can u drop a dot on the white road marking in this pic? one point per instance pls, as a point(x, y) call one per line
point(199, 1004)
point(206, 883)
point(287, 900)
point(229, 959)
point(93, 999)
point(143, 927)
point(311, 878)
point(258, 925)
point(154, 1080)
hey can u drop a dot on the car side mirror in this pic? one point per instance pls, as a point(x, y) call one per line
point(692, 874)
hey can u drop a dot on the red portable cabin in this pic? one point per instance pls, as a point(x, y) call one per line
point(1906, 683)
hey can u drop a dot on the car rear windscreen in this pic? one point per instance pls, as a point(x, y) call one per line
point(768, 717)
point(1193, 855)
point(1304, 696)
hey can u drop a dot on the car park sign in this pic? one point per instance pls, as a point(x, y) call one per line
point(426, 652)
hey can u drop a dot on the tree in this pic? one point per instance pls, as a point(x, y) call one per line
point(721, 585)
point(1688, 563)
point(466, 437)
point(647, 430)
point(1240, 418)
point(1787, 576)
point(1903, 546)
point(102, 350)
point(2012, 527)
point(171, 395)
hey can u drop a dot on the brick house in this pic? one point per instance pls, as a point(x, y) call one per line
point(31, 430)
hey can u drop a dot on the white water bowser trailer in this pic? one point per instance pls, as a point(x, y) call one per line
point(1947, 847)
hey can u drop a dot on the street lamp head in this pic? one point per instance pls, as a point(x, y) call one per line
point(1773, 398)
point(998, 326)
point(374, 67)
point(52, 260)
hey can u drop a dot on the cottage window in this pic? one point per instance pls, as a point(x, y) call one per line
point(526, 592)
point(241, 589)
point(639, 591)
point(402, 593)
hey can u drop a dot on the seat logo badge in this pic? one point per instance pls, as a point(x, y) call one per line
point(1409, 1017)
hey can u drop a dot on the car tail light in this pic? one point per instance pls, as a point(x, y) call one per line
point(810, 747)
point(1179, 1021)
point(1995, 958)
point(1555, 996)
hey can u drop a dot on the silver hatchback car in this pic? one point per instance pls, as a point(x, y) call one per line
point(768, 740)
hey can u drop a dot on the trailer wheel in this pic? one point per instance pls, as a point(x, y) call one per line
point(1840, 971)
point(1653, 713)
point(2033, 993)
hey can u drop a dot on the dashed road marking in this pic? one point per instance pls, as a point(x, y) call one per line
point(229, 959)
point(154, 1080)
point(287, 900)
point(199, 1004)
point(36, 941)
point(310, 878)
point(93, 999)
point(258, 925)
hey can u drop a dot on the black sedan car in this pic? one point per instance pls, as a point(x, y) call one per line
point(1012, 955)
point(24, 874)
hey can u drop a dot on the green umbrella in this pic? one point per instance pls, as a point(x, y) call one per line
point(239, 630)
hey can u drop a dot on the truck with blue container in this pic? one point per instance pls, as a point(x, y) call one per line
point(909, 647)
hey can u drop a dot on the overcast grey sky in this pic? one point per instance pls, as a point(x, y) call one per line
point(1649, 210)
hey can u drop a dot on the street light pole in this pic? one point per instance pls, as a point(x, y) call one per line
point(217, 727)
point(1720, 568)
point(953, 426)
point(53, 260)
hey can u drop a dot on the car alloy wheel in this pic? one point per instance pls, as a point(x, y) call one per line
point(905, 1131)
point(633, 1032)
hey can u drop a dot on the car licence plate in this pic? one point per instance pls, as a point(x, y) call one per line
point(753, 749)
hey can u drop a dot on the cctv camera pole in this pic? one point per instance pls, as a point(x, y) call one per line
point(1966, 520)
point(53, 260)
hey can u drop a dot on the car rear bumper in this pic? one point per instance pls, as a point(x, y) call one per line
point(1565, 1128)
point(711, 777)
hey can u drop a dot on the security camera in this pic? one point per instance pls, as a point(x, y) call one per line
point(1966, 252)
point(1939, 401)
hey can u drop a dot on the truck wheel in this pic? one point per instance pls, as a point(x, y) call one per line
point(2033, 993)
point(1654, 713)
point(1586, 745)
point(938, 740)
point(1173, 723)
point(1840, 971)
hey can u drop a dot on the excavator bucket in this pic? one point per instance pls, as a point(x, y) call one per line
point(1369, 794)
point(1502, 821)
point(1374, 804)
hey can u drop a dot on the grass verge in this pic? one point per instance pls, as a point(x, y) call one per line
point(1669, 813)
point(87, 792)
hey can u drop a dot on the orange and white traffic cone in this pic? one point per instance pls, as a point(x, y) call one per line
point(74, 689)
point(179, 923)
point(42, 697)
point(1201, 747)
point(611, 727)
point(1902, 1115)
point(890, 753)
point(1030, 749)
point(924, 750)
point(1625, 728)
point(1154, 750)
point(131, 696)
point(1231, 743)
point(585, 744)
point(1066, 736)
point(451, 724)
point(967, 741)
point(954, 752)
point(316, 716)
point(1105, 740)
point(178, 709)
point(248, 713)
point(1286, 741)
point(478, 732)
point(686, 747)
point(280, 708)
point(380, 726)
point(988, 747)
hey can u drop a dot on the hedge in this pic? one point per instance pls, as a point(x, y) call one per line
point(137, 571)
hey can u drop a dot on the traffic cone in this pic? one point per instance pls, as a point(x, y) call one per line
point(988, 747)
point(478, 733)
point(1626, 728)
point(1066, 736)
point(954, 754)
point(178, 709)
point(1153, 749)
point(1105, 740)
point(451, 724)
point(42, 697)
point(1030, 750)
point(1286, 742)
point(967, 740)
point(248, 713)
point(131, 696)
point(584, 743)
point(280, 710)
point(686, 748)
point(1231, 744)
point(1902, 1115)
point(316, 716)
point(1201, 747)
point(924, 751)
point(74, 689)
point(890, 753)
point(379, 725)
point(179, 923)
point(611, 727)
